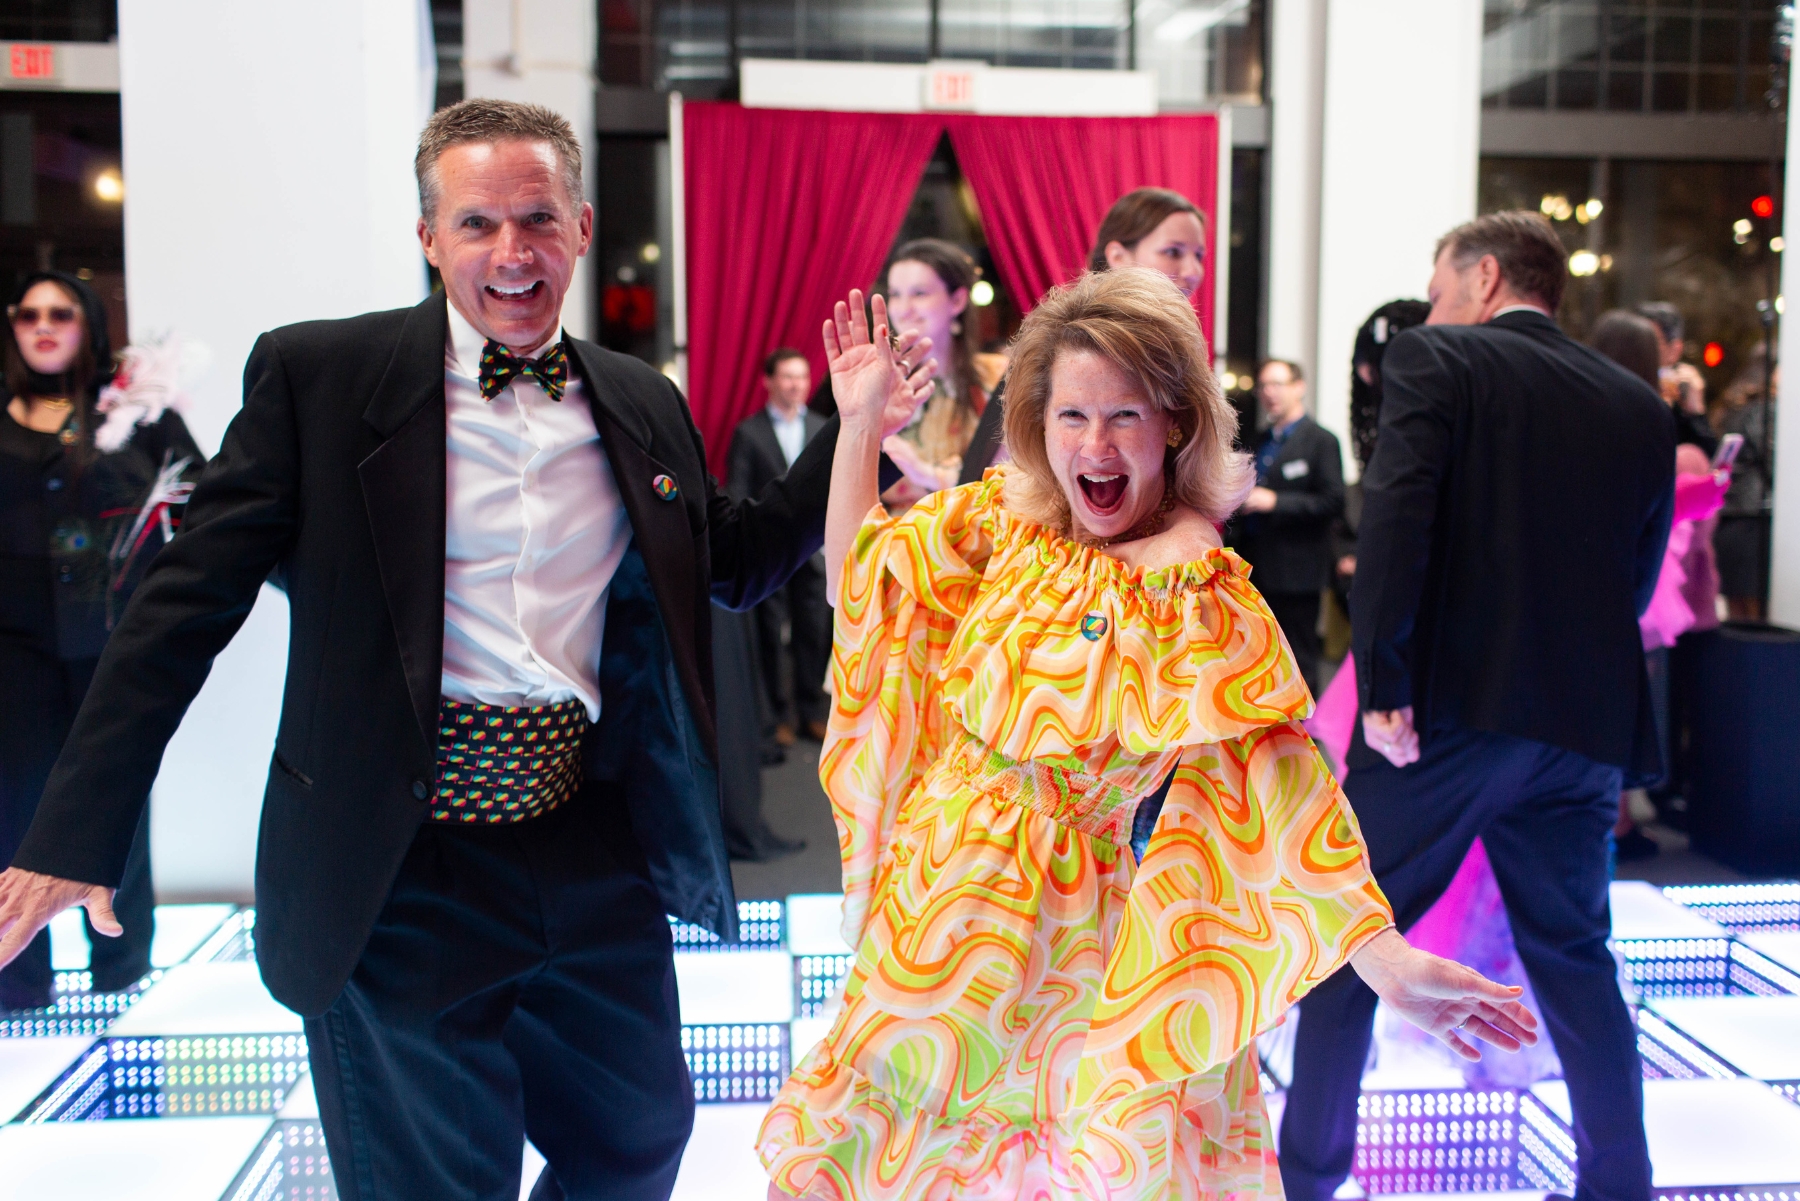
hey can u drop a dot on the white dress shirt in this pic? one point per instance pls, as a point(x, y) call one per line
point(790, 432)
point(534, 531)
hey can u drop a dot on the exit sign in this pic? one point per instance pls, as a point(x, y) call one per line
point(951, 87)
point(29, 61)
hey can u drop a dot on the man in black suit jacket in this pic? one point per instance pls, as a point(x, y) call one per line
point(476, 936)
point(764, 448)
point(1284, 528)
point(1514, 517)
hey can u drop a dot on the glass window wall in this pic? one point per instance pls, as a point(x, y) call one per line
point(1637, 56)
point(1201, 50)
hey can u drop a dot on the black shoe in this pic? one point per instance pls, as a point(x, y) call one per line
point(1634, 846)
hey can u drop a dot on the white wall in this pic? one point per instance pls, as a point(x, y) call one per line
point(268, 173)
point(1401, 148)
point(1784, 575)
point(541, 51)
point(1296, 120)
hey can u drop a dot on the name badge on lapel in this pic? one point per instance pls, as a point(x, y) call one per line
point(1295, 469)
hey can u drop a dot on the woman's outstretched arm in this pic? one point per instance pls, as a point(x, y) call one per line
point(877, 385)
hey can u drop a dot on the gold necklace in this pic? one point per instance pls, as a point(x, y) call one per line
point(57, 403)
point(1152, 524)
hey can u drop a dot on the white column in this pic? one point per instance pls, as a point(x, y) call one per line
point(268, 174)
point(1784, 573)
point(1402, 144)
point(1296, 119)
point(541, 51)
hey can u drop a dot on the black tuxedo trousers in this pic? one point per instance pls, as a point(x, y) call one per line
point(517, 984)
point(1543, 814)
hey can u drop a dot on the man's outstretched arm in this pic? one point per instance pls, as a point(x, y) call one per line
point(238, 525)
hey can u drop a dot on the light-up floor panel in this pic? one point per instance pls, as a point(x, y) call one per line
point(28, 1066)
point(193, 1160)
point(210, 999)
point(178, 1076)
point(1714, 1134)
point(1759, 1036)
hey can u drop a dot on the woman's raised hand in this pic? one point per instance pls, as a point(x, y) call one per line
point(1443, 998)
point(877, 384)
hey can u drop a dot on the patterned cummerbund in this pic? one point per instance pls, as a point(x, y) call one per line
point(506, 763)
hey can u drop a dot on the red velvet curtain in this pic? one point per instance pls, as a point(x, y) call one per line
point(786, 212)
point(1044, 183)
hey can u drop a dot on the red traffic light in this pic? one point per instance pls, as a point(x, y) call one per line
point(1763, 206)
point(1713, 355)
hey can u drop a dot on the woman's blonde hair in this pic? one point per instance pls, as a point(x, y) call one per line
point(1139, 320)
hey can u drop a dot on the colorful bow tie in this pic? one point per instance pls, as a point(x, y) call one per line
point(499, 365)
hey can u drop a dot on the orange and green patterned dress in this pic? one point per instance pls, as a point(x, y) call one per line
point(1032, 1014)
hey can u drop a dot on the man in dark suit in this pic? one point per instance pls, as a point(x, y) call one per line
point(1284, 528)
point(1514, 517)
point(765, 447)
point(495, 769)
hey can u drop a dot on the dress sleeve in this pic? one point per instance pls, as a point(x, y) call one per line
point(1254, 888)
point(906, 584)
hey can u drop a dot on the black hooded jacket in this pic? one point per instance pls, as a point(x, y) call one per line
point(72, 547)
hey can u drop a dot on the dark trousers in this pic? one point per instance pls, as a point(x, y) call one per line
point(39, 694)
point(1298, 615)
point(793, 674)
point(1543, 815)
point(518, 983)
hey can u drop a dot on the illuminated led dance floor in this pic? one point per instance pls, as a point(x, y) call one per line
point(193, 1085)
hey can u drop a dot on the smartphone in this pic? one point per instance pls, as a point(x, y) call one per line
point(1729, 446)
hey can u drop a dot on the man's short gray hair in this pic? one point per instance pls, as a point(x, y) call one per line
point(484, 120)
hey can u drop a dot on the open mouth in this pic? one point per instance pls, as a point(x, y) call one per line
point(1105, 493)
point(515, 295)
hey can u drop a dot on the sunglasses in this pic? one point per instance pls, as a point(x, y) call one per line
point(61, 315)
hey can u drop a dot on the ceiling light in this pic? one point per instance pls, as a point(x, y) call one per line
point(1584, 262)
point(981, 294)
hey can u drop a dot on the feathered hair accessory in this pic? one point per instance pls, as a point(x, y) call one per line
point(148, 383)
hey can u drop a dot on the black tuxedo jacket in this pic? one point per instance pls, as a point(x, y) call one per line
point(1513, 523)
point(334, 474)
point(1290, 546)
point(755, 459)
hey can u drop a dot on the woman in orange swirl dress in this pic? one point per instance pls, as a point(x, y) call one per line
point(1088, 850)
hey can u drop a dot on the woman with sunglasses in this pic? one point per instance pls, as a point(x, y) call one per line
point(93, 472)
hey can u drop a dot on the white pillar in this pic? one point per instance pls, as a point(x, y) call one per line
point(268, 173)
point(1784, 573)
point(1296, 120)
point(541, 51)
point(1402, 144)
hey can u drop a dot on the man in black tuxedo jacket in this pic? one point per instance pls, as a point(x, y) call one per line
point(495, 769)
point(765, 447)
point(1514, 517)
point(1284, 528)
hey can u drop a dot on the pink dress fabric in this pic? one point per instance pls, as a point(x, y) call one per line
point(1700, 565)
point(1671, 614)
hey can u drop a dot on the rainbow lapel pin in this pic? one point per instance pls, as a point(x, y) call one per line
point(665, 487)
point(1093, 627)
